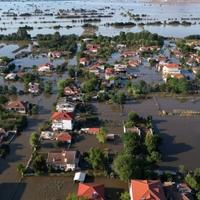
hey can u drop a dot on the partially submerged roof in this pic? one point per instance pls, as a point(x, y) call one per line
point(61, 116)
point(147, 189)
point(91, 191)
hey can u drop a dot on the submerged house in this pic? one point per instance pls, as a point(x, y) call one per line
point(63, 160)
point(91, 191)
point(62, 121)
point(17, 106)
point(146, 190)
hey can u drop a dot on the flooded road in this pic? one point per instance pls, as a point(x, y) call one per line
point(180, 144)
point(21, 149)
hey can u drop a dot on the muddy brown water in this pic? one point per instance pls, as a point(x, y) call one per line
point(180, 146)
point(180, 134)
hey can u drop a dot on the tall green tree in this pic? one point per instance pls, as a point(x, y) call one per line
point(39, 164)
point(96, 158)
point(123, 166)
point(101, 136)
point(34, 140)
point(132, 143)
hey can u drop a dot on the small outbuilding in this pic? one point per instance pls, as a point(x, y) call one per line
point(80, 177)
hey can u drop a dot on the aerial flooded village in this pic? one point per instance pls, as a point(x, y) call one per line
point(99, 100)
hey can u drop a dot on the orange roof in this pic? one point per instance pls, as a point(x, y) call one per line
point(177, 76)
point(91, 191)
point(61, 116)
point(93, 130)
point(64, 137)
point(71, 90)
point(147, 189)
point(172, 65)
point(16, 104)
point(83, 59)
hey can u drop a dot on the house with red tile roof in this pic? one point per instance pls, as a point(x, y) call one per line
point(134, 63)
point(91, 191)
point(94, 69)
point(146, 190)
point(64, 137)
point(84, 61)
point(71, 91)
point(93, 48)
point(63, 160)
point(171, 68)
point(126, 54)
point(47, 67)
point(17, 106)
point(62, 121)
point(92, 131)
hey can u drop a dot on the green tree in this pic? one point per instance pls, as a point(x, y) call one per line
point(61, 85)
point(198, 195)
point(177, 85)
point(34, 140)
point(21, 169)
point(75, 197)
point(96, 158)
point(132, 143)
point(123, 166)
point(125, 196)
point(119, 98)
point(133, 117)
point(22, 34)
point(101, 136)
point(13, 90)
point(3, 99)
point(39, 164)
point(182, 169)
point(152, 142)
point(34, 109)
point(90, 85)
point(48, 87)
point(192, 179)
point(71, 72)
point(154, 157)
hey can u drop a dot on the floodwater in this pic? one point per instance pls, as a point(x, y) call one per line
point(180, 134)
point(154, 11)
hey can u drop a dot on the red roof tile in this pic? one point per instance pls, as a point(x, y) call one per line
point(147, 189)
point(172, 65)
point(93, 130)
point(91, 191)
point(61, 116)
point(64, 137)
point(16, 104)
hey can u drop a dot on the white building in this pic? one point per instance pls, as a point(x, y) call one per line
point(171, 68)
point(65, 106)
point(62, 121)
point(63, 160)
